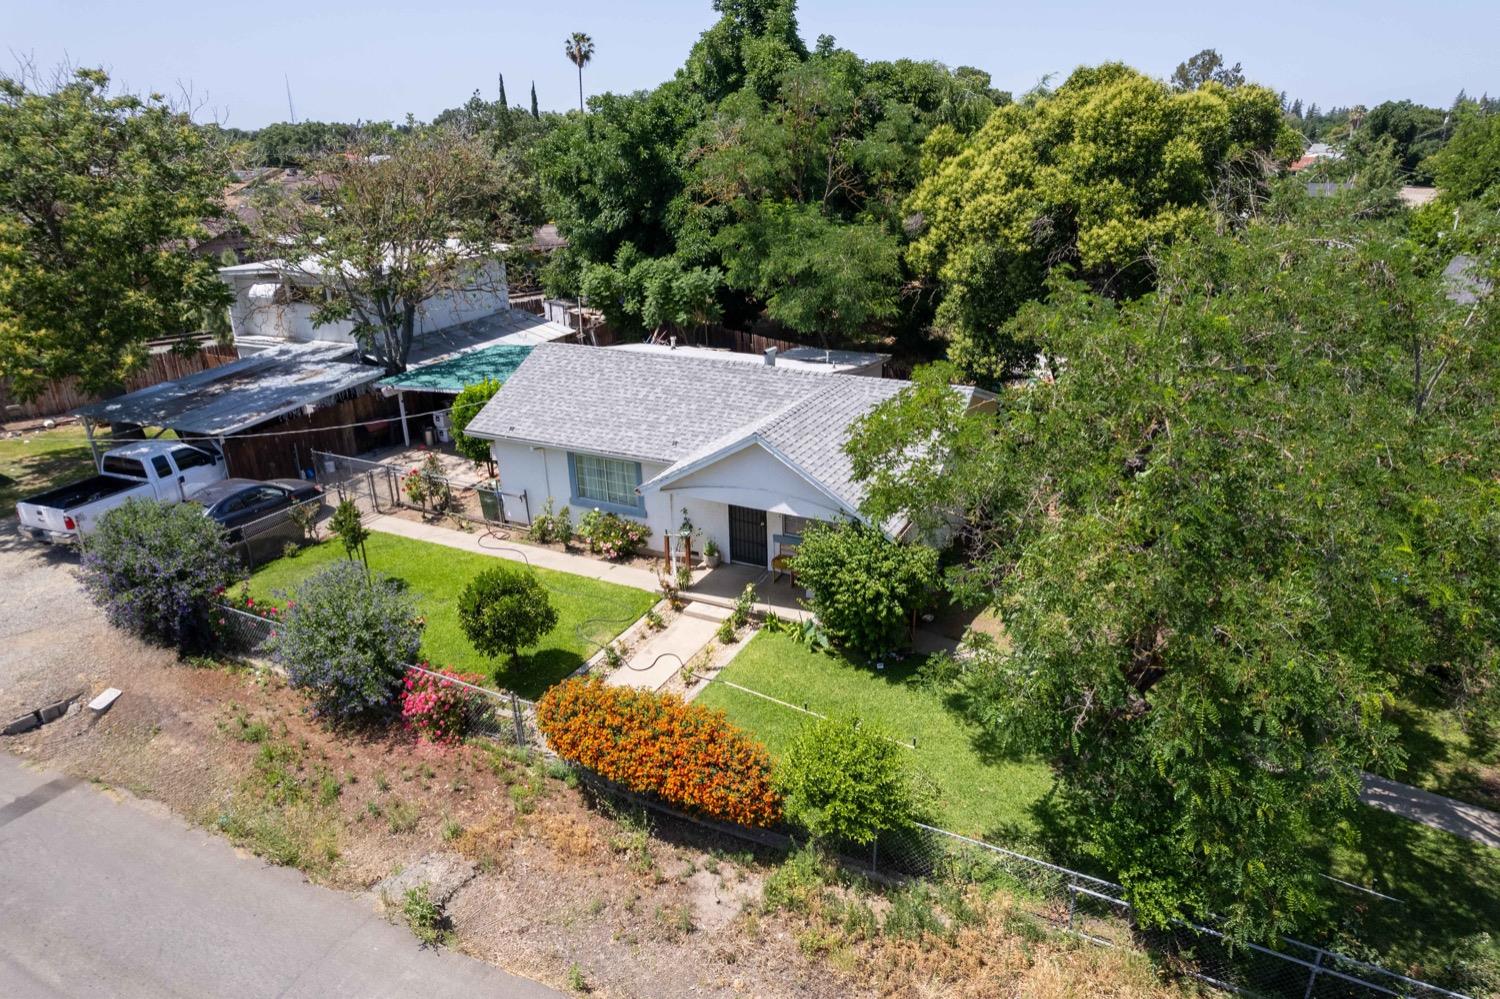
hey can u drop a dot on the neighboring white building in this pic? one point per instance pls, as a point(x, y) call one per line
point(274, 302)
point(749, 452)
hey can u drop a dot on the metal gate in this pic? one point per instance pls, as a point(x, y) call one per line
point(747, 536)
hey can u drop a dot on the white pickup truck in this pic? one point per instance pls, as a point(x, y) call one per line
point(169, 471)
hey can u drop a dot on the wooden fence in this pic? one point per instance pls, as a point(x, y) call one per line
point(64, 395)
point(282, 448)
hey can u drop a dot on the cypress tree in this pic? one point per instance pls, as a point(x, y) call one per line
point(535, 113)
point(502, 90)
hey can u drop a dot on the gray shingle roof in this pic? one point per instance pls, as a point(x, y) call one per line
point(681, 411)
point(642, 406)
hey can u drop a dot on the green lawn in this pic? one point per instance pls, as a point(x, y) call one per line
point(1447, 888)
point(979, 792)
point(1440, 755)
point(589, 612)
point(35, 462)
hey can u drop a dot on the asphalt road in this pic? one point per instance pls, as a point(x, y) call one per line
point(102, 896)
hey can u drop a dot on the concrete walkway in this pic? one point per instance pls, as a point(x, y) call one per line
point(1457, 817)
point(659, 658)
point(542, 558)
point(109, 897)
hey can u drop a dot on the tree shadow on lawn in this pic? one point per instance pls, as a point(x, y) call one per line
point(1448, 888)
point(536, 671)
point(34, 473)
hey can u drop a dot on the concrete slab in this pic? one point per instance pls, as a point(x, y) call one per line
point(1457, 817)
point(652, 665)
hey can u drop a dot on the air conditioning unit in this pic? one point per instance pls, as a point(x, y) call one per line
point(443, 426)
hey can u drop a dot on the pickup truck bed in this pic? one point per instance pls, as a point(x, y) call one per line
point(84, 491)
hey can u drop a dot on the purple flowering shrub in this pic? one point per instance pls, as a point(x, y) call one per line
point(611, 535)
point(345, 639)
point(158, 571)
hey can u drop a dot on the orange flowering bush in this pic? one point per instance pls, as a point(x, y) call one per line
point(687, 756)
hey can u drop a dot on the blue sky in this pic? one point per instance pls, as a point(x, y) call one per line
point(381, 59)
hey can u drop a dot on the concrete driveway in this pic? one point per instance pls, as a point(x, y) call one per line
point(103, 896)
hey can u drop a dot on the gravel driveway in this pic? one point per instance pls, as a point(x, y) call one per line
point(53, 642)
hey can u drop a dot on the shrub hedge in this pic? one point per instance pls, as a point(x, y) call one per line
point(656, 744)
point(158, 571)
point(346, 638)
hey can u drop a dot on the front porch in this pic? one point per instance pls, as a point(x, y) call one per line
point(722, 587)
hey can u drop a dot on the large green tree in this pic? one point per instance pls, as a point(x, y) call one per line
point(1224, 522)
point(101, 198)
point(767, 175)
point(1416, 132)
point(1469, 165)
point(1098, 175)
point(383, 230)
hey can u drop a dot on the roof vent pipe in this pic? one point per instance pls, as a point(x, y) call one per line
point(770, 357)
point(673, 341)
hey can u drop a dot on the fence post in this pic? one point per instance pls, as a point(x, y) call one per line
point(1312, 974)
point(515, 717)
point(1072, 903)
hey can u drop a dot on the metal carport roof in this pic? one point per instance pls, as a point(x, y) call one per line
point(241, 394)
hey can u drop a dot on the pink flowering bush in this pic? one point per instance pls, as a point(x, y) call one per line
point(611, 535)
point(436, 707)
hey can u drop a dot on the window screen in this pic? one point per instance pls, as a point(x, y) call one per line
point(606, 480)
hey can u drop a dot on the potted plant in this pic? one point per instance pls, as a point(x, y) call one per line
point(711, 554)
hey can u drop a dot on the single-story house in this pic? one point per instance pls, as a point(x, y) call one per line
point(747, 453)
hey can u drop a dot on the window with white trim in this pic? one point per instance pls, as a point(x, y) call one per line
point(606, 480)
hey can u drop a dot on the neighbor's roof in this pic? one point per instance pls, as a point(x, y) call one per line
point(470, 367)
point(242, 393)
point(685, 411)
point(1465, 284)
point(811, 359)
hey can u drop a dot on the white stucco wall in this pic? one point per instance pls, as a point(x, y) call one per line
point(294, 321)
point(755, 478)
point(751, 478)
point(542, 473)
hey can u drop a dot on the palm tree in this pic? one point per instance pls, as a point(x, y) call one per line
point(579, 49)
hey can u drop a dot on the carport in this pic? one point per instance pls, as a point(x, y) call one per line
point(437, 382)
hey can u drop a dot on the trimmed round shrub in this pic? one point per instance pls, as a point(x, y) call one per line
point(158, 571)
point(346, 638)
point(865, 587)
point(846, 784)
point(505, 610)
point(656, 744)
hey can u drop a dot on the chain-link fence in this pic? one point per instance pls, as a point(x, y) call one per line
point(260, 538)
point(1084, 905)
point(381, 487)
point(500, 715)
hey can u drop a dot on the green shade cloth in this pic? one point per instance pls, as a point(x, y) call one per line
point(453, 374)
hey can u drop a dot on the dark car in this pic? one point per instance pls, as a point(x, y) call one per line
point(257, 516)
